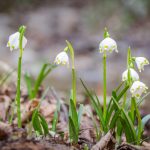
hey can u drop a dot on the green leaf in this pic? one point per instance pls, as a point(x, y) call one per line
point(114, 119)
point(72, 131)
point(119, 130)
point(74, 115)
point(129, 125)
point(36, 122)
point(126, 130)
point(45, 70)
point(55, 118)
point(145, 120)
point(44, 124)
point(109, 104)
point(111, 108)
point(95, 106)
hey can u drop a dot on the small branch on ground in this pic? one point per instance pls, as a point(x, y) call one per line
point(126, 146)
point(106, 143)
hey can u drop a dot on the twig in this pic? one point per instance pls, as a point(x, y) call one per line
point(104, 142)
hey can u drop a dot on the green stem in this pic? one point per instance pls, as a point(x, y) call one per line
point(124, 98)
point(73, 70)
point(132, 110)
point(104, 83)
point(74, 85)
point(18, 92)
point(22, 30)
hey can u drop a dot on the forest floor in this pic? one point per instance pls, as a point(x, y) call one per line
point(13, 138)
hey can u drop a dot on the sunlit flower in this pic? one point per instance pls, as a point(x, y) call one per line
point(141, 62)
point(138, 88)
point(13, 42)
point(62, 59)
point(133, 74)
point(108, 45)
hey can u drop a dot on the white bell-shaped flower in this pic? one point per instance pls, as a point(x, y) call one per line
point(141, 62)
point(62, 59)
point(138, 88)
point(13, 42)
point(108, 45)
point(133, 74)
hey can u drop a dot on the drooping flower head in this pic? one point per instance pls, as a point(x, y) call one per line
point(137, 89)
point(62, 59)
point(108, 45)
point(141, 62)
point(13, 42)
point(133, 74)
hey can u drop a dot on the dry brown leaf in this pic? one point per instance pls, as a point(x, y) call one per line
point(47, 109)
point(5, 130)
point(4, 106)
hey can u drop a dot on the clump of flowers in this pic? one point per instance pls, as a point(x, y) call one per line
point(114, 115)
point(74, 115)
point(118, 115)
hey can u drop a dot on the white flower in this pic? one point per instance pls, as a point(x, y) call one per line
point(62, 59)
point(141, 62)
point(13, 42)
point(138, 88)
point(134, 75)
point(108, 45)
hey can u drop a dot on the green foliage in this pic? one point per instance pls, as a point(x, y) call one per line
point(111, 113)
point(73, 123)
point(39, 123)
point(55, 118)
point(97, 107)
point(127, 124)
point(33, 89)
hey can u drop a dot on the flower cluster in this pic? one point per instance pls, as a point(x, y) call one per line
point(137, 88)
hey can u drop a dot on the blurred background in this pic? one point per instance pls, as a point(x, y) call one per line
point(49, 23)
